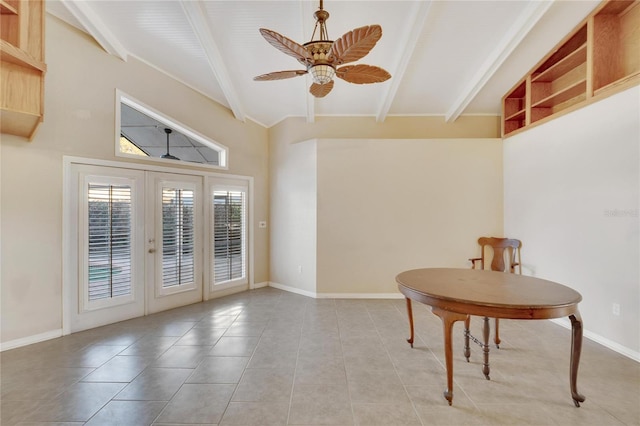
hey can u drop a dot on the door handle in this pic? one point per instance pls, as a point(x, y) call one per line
point(152, 250)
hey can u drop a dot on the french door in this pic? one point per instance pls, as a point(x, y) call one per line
point(106, 233)
point(173, 240)
point(135, 243)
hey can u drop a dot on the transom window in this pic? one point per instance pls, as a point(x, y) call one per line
point(143, 132)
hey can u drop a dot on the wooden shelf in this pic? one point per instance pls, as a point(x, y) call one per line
point(7, 8)
point(623, 83)
point(572, 61)
point(22, 66)
point(598, 58)
point(10, 53)
point(19, 123)
point(519, 115)
point(577, 89)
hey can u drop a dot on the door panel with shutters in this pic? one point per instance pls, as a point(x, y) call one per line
point(107, 270)
point(174, 240)
point(228, 233)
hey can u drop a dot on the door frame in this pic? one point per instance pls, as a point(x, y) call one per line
point(68, 242)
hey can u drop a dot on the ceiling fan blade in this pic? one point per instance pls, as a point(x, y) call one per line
point(285, 45)
point(321, 90)
point(279, 75)
point(362, 74)
point(355, 44)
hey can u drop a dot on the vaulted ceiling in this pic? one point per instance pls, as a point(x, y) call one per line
point(446, 58)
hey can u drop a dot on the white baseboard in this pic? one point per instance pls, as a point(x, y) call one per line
point(29, 340)
point(292, 289)
point(260, 285)
point(616, 347)
point(336, 295)
point(359, 296)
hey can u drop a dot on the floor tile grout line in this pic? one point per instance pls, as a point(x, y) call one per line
point(415, 411)
point(295, 368)
point(344, 364)
point(187, 378)
point(235, 389)
point(403, 384)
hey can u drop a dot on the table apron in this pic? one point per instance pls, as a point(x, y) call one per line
point(503, 311)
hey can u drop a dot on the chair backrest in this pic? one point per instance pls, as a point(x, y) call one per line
point(499, 246)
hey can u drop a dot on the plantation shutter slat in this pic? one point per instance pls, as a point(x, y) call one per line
point(109, 241)
point(178, 239)
point(229, 235)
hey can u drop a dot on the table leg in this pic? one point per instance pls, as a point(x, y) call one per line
point(576, 349)
point(410, 313)
point(448, 319)
point(485, 347)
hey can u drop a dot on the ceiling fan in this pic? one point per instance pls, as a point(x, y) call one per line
point(322, 57)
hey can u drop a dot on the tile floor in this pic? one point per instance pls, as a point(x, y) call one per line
point(268, 357)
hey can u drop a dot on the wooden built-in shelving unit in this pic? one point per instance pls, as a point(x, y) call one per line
point(22, 66)
point(597, 59)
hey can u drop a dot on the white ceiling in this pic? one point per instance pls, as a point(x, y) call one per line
point(446, 58)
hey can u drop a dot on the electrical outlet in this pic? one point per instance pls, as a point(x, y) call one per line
point(615, 308)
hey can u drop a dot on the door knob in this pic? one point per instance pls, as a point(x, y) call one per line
point(152, 250)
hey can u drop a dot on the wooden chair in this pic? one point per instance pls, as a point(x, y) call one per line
point(503, 249)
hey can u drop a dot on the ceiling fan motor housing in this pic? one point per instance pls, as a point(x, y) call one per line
point(319, 51)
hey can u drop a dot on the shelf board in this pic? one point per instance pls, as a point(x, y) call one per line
point(517, 116)
point(19, 123)
point(571, 61)
point(7, 9)
point(616, 7)
point(576, 89)
point(623, 82)
point(10, 53)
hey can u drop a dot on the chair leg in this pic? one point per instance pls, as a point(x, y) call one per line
point(467, 349)
point(496, 337)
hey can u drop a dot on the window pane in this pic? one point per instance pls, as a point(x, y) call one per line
point(177, 237)
point(229, 235)
point(109, 241)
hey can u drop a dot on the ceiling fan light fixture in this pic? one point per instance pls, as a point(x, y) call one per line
point(320, 57)
point(168, 155)
point(322, 73)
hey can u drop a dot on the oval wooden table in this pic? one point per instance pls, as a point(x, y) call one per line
point(453, 294)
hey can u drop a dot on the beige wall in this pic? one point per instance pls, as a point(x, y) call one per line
point(293, 216)
point(572, 195)
point(79, 120)
point(374, 207)
point(307, 163)
point(385, 206)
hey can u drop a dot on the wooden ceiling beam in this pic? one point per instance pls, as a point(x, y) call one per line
point(516, 33)
point(412, 36)
point(92, 23)
point(196, 15)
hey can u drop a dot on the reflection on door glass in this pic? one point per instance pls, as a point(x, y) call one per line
point(147, 136)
